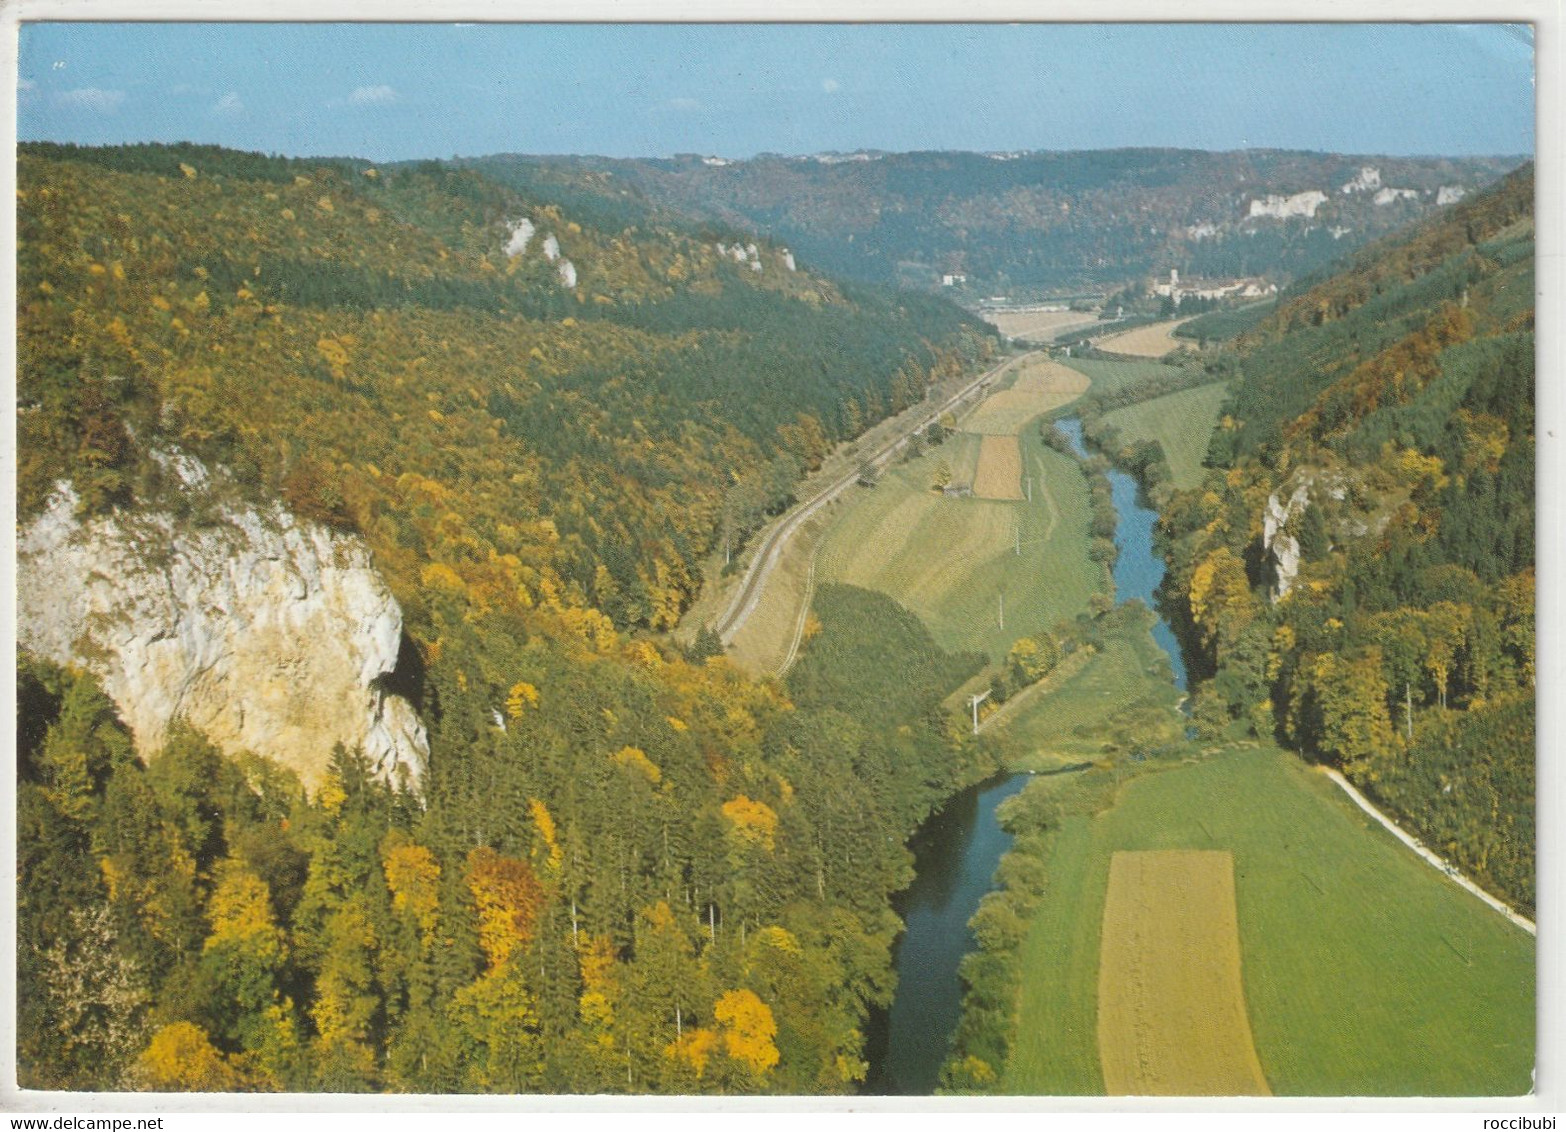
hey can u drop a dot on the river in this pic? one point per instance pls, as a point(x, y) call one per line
point(955, 854)
point(958, 848)
point(1138, 571)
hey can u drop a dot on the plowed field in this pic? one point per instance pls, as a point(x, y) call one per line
point(1038, 325)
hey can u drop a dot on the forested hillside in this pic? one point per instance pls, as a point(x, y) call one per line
point(624, 870)
point(1019, 223)
point(1357, 574)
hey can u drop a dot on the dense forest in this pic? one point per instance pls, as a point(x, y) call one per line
point(625, 868)
point(1356, 575)
point(1018, 223)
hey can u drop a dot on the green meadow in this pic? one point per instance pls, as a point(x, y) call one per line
point(955, 562)
point(1182, 422)
point(1366, 971)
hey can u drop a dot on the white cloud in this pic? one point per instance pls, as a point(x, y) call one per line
point(683, 104)
point(228, 106)
point(91, 98)
point(829, 85)
point(372, 96)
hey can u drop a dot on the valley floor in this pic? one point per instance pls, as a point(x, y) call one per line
point(1361, 971)
point(1365, 972)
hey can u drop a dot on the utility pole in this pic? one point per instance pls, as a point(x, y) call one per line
point(1000, 614)
point(974, 702)
point(1030, 489)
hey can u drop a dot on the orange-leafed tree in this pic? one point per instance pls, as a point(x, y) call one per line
point(507, 897)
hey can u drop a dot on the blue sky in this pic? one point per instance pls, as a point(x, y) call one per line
point(389, 92)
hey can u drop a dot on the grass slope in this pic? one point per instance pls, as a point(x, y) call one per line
point(762, 643)
point(946, 560)
point(1366, 972)
point(1121, 698)
point(1109, 375)
point(1182, 422)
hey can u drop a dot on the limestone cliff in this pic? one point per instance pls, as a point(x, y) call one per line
point(267, 633)
point(1284, 547)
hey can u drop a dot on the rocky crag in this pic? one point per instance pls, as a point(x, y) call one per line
point(266, 633)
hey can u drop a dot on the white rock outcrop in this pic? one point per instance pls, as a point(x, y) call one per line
point(551, 248)
point(1450, 194)
point(521, 233)
point(788, 260)
point(266, 633)
point(1368, 177)
point(1281, 207)
point(1389, 195)
point(567, 271)
point(1284, 547)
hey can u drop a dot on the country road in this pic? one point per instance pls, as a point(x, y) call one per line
point(771, 548)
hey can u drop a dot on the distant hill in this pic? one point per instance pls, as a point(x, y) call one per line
point(1022, 223)
point(332, 327)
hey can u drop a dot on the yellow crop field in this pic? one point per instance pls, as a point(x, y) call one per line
point(1040, 386)
point(1000, 469)
point(1171, 1002)
point(1041, 325)
point(1042, 376)
point(1151, 341)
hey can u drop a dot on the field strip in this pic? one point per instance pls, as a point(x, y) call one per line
point(891, 552)
point(999, 474)
point(1151, 341)
point(1026, 325)
point(1171, 999)
point(1413, 843)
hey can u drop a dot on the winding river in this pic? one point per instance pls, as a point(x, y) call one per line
point(957, 849)
point(1138, 571)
